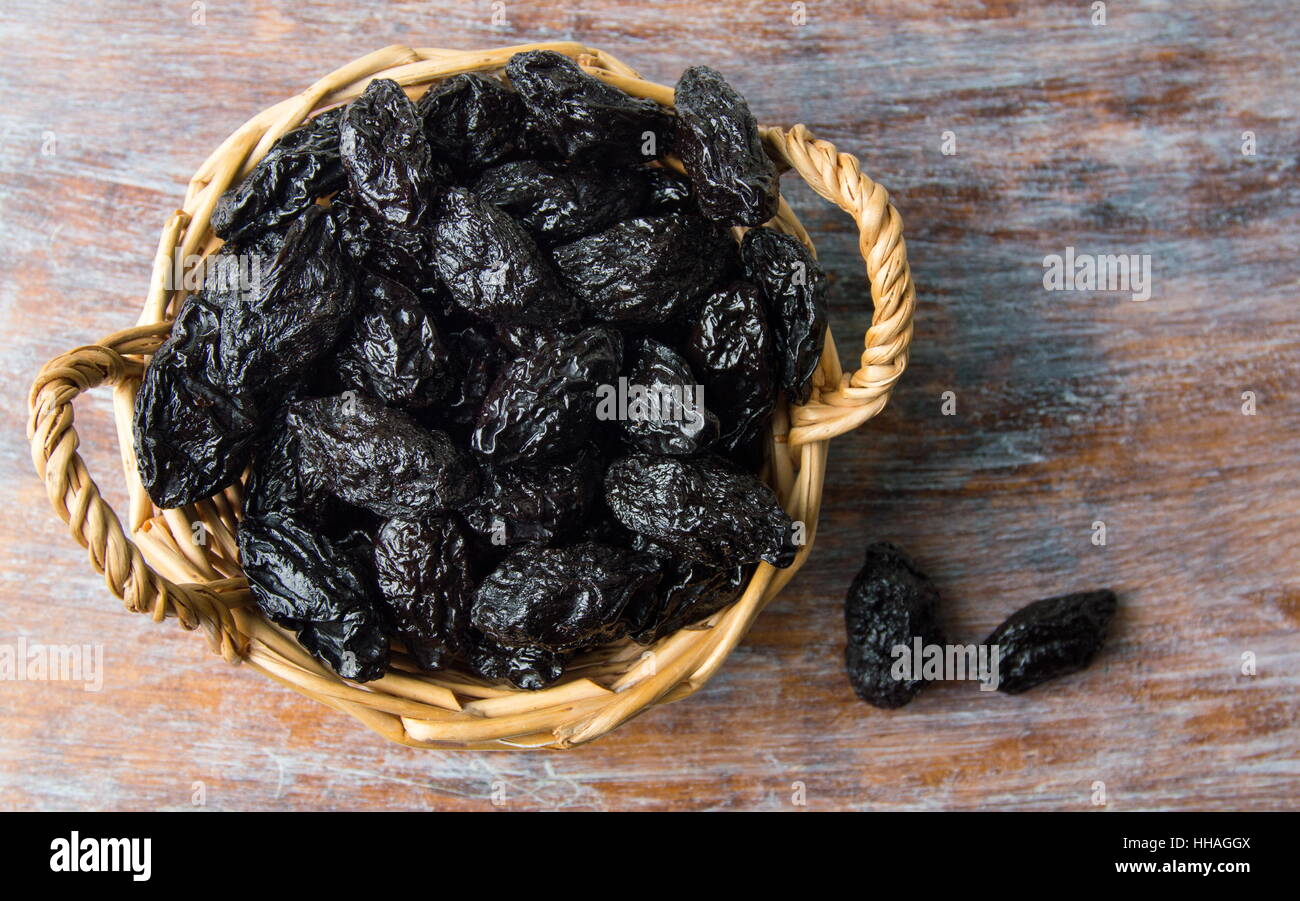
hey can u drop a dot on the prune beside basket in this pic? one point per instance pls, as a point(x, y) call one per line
point(156, 567)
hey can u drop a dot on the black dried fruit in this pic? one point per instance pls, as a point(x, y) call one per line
point(543, 406)
point(717, 139)
point(304, 582)
point(688, 593)
point(473, 121)
point(667, 192)
point(282, 480)
point(522, 340)
point(794, 288)
point(558, 202)
point(1050, 638)
point(479, 359)
point(300, 167)
point(730, 349)
point(395, 351)
point(535, 504)
point(529, 668)
point(671, 417)
point(380, 459)
point(492, 268)
point(701, 508)
point(390, 171)
point(587, 120)
point(562, 599)
point(192, 436)
point(890, 603)
point(647, 270)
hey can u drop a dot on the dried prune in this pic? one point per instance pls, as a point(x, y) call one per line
point(671, 418)
point(479, 360)
point(281, 480)
point(647, 270)
point(586, 119)
point(794, 287)
point(535, 504)
point(543, 406)
point(526, 667)
point(301, 166)
point(1050, 638)
point(689, 592)
point(562, 599)
point(390, 171)
point(890, 603)
point(380, 459)
point(730, 349)
point(492, 268)
point(472, 121)
point(522, 340)
point(403, 255)
point(395, 351)
point(426, 586)
point(303, 581)
point(667, 192)
point(701, 508)
point(271, 337)
point(559, 203)
point(717, 139)
point(192, 436)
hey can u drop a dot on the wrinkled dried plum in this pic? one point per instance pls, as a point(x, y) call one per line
point(890, 603)
point(672, 417)
point(281, 480)
point(794, 288)
point(1052, 637)
point(535, 504)
point(301, 166)
point(730, 350)
point(667, 192)
point(472, 121)
point(522, 340)
point(717, 139)
point(647, 270)
point(302, 581)
point(562, 599)
point(381, 459)
point(559, 203)
point(586, 119)
point(543, 406)
point(479, 360)
point(525, 667)
point(701, 508)
point(390, 171)
point(688, 593)
point(492, 268)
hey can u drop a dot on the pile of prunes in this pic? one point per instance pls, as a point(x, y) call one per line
point(503, 382)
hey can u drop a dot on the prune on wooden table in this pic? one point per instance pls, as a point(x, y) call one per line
point(558, 202)
point(701, 508)
point(395, 351)
point(536, 504)
point(192, 436)
point(644, 271)
point(381, 459)
point(673, 417)
point(272, 337)
point(300, 167)
point(718, 142)
point(426, 586)
point(794, 288)
point(473, 121)
point(492, 267)
point(1052, 637)
point(563, 599)
point(688, 593)
point(587, 120)
point(730, 348)
point(890, 603)
point(305, 582)
point(543, 406)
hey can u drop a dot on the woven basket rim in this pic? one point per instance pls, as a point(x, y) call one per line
point(159, 570)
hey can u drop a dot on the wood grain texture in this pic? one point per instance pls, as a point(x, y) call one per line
point(1071, 407)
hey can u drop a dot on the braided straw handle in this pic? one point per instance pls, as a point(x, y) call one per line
point(164, 573)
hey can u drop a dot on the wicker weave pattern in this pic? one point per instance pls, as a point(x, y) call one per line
point(161, 571)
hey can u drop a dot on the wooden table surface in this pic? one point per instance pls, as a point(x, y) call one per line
point(1071, 407)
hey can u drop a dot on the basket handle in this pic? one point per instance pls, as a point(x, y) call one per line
point(77, 500)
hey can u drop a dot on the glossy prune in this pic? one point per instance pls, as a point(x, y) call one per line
point(479, 359)
point(543, 406)
point(523, 666)
point(492, 268)
point(281, 480)
point(794, 289)
point(645, 271)
point(890, 603)
point(562, 599)
point(380, 459)
point(300, 167)
point(558, 202)
point(717, 139)
point(587, 120)
point(1052, 637)
point(666, 192)
point(390, 170)
point(535, 504)
point(472, 121)
point(702, 509)
point(688, 593)
point(672, 418)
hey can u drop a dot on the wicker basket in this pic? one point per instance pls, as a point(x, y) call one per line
point(161, 571)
